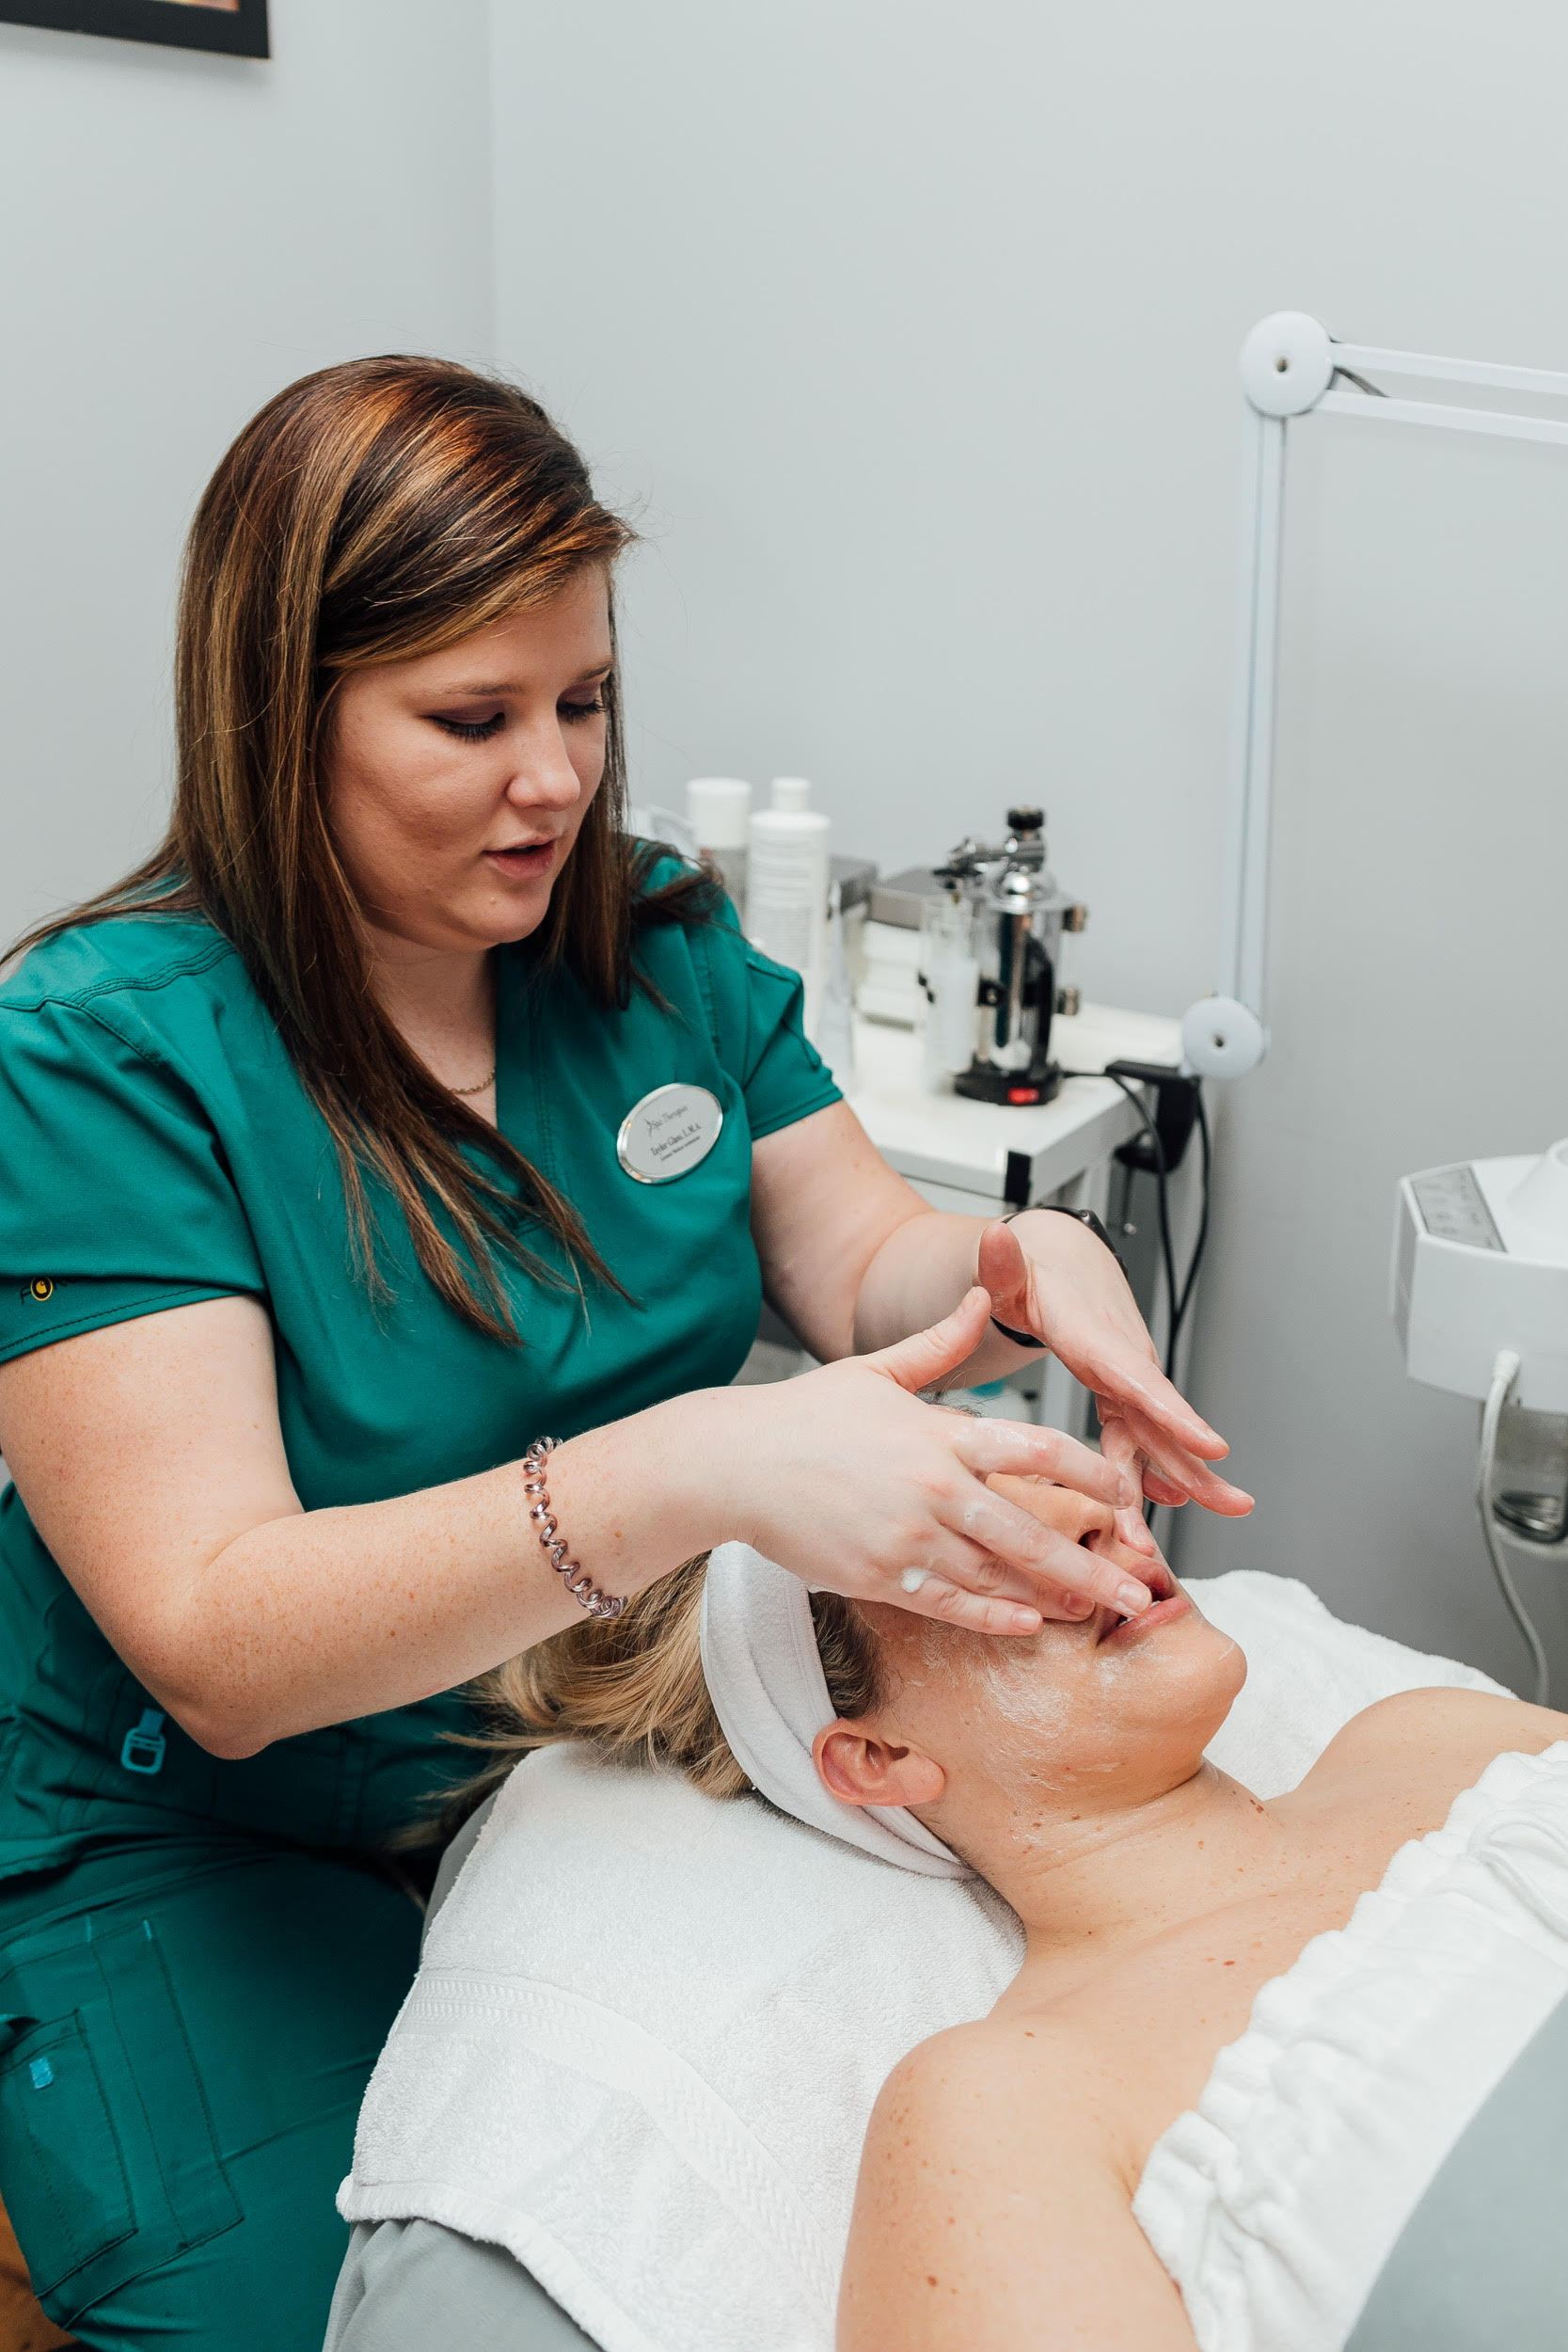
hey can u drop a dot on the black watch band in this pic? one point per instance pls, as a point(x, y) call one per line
point(1058, 1208)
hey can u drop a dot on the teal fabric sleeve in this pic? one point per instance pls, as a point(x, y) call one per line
point(756, 1006)
point(113, 1199)
point(1480, 2265)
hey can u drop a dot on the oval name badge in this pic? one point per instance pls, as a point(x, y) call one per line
point(665, 1134)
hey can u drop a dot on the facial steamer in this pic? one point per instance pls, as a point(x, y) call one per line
point(1479, 1296)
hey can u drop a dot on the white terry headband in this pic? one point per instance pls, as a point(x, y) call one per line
point(771, 1695)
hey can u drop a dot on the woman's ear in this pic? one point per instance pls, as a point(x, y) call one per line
point(858, 1769)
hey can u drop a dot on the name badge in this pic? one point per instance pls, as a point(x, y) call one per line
point(665, 1134)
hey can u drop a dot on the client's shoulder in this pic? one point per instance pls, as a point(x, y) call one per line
point(1444, 1734)
point(1021, 2080)
point(994, 2186)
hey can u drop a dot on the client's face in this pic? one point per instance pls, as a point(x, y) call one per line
point(1105, 1712)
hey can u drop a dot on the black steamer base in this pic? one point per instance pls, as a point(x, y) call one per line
point(981, 1083)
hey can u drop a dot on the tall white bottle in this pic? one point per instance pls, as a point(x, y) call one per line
point(717, 809)
point(786, 886)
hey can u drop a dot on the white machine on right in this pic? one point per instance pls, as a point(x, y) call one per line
point(1480, 1295)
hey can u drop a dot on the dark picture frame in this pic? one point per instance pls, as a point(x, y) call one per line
point(237, 32)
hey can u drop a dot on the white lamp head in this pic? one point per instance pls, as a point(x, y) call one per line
point(1222, 1038)
point(1287, 364)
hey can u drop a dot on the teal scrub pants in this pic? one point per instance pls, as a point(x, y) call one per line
point(185, 2034)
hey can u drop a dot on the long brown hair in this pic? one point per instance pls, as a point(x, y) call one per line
point(371, 512)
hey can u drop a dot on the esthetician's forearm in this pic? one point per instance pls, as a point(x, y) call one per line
point(325, 1616)
point(151, 1459)
point(918, 1275)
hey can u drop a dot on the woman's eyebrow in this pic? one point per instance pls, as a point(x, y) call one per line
point(511, 685)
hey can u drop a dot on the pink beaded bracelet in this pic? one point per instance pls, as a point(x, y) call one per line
point(581, 1586)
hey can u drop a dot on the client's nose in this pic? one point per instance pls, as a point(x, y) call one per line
point(1064, 1508)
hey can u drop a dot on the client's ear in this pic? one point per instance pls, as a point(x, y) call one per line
point(858, 1769)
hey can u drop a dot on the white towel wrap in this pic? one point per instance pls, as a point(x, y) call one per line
point(1274, 2203)
point(768, 1692)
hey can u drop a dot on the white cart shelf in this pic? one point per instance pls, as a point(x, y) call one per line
point(948, 1147)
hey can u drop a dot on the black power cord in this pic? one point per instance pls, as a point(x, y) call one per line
point(1161, 1181)
point(1197, 1260)
point(1180, 1108)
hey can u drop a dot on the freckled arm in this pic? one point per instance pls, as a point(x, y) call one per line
point(993, 2214)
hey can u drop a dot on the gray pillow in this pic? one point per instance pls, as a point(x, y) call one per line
point(408, 2285)
point(1480, 2265)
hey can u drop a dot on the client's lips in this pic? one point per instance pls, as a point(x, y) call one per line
point(1169, 1602)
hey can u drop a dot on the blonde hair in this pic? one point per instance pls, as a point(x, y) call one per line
point(633, 1686)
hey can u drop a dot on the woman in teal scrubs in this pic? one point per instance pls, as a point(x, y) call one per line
point(399, 1112)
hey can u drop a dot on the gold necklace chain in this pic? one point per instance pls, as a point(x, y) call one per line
point(478, 1089)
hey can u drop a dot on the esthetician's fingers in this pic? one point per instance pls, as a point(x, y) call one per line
point(924, 1360)
point(926, 1593)
point(1057, 1574)
point(1119, 1447)
point(1021, 1449)
point(1076, 1299)
point(1117, 1443)
point(850, 1479)
point(953, 1564)
point(1171, 1475)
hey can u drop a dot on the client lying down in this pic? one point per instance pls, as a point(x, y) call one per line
point(1000, 2194)
point(1217, 2079)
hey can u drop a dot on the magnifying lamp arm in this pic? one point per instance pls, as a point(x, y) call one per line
point(1288, 366)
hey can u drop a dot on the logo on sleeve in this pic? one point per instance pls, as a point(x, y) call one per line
point(40, 1289)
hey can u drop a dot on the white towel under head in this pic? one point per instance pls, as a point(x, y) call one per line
point(765, 1677)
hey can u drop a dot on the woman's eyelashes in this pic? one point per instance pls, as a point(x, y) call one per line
point(472, 730)
point(480, 730)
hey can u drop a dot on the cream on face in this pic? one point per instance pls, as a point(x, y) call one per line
point(1094, 1706)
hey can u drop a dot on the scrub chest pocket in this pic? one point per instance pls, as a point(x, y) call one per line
point(80, 2015)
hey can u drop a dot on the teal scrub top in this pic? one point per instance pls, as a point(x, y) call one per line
point(157, 1147)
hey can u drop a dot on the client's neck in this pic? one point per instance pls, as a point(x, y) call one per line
point(1089, 1880)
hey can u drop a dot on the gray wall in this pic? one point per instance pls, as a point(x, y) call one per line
point(910, 332)
point(912, 329)
point(182, 234)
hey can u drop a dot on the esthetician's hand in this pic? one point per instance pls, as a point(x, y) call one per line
point(1049, 1275)
point(850, 1478)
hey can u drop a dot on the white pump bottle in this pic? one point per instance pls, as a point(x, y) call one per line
point(786, 886)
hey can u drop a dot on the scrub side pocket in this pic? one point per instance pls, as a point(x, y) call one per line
point(61, 2167)
point(108, 2165)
